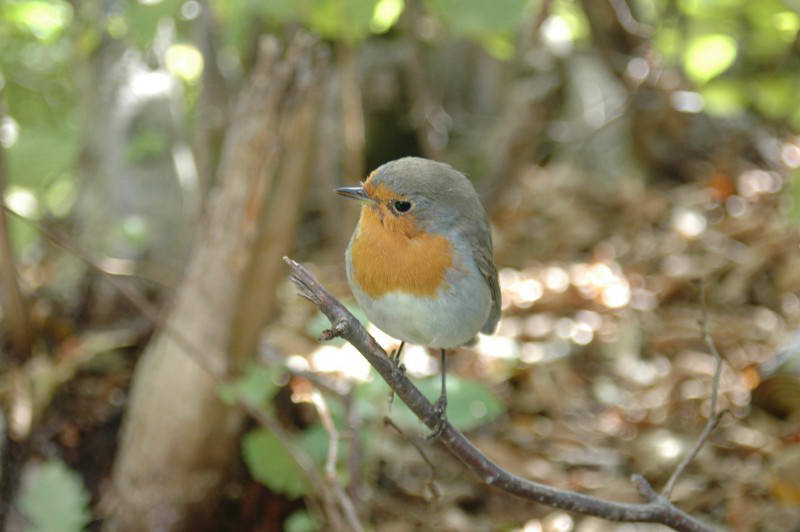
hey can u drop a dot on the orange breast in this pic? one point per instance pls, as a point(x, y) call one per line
point(391, 254)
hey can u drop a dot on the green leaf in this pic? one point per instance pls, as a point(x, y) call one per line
point(477, 18)
point(44, 20)
point(147, 144)
point(775, 96)
point(42, 154)
point(301, 521)
point(345, 19)
point(794, 197)
point(53, 498)
point(708, 56)
point(470, 403)
point(271, 464)
point(723, 97)
point(256, 385)
point(142, 19)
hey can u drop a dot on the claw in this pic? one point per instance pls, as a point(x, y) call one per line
point(441, 422)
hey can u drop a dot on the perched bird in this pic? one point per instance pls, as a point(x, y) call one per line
point(420, 260)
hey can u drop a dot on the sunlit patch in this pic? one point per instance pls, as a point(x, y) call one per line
point(603, 280)
point(694, 389)
point(509, 326)
point(539, 325)
point(637, 69)
point(736, 206)
point(381, 337)
point(709, 55)
point(669, 447)
point(754, 183)
point(532, 352)
point(9, 132)
point(590, 318)
point(497, 347)
point(507, 277)
point(21, 200)
point(418, 362)
point(790, 155)
point(184, 61)
point(345, 360)
point(563, 328)
point(385, 15)
point(641, 372)
point(687, 101)
point(534, 525)
point(617, 294)
point(607, 391)
point(149, 84)
point(560, 522)
point(688, 223)
point(45, 20)
point(527, 292)
point(557, 35)
point(520, 289)
point(297, 363)
point(190, 9)
point(747, 437)
point(676, 265)
point(581, 333)
point(556, 279)
point(118, 266)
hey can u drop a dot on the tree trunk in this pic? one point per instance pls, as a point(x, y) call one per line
point(179, 439)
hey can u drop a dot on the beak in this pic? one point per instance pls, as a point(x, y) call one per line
point(353, 193)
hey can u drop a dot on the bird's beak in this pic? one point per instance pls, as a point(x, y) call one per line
point(353, 193)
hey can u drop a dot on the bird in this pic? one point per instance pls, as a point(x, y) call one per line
point(420, 261)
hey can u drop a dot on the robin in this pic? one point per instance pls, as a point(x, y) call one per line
point(420, 260)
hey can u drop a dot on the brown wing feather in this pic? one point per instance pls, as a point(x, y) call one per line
point(485, 262)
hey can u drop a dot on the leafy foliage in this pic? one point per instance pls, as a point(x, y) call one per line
point(54, 499)
point(256, 385)
point(271, 463)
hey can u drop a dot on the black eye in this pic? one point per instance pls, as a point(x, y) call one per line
point(402, 206)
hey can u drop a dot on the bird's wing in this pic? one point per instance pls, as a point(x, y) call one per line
point(485, 261)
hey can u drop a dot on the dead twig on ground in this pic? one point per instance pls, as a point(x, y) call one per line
point(713, 416)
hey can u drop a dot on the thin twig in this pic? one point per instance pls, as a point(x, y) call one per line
point(330, 427)
point(713, 416)
point(431, 483)
point(330, 463)
point(348, 327)
point(15, 308)
point(354, 454)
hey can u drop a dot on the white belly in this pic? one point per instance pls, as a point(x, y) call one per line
point(451, 319)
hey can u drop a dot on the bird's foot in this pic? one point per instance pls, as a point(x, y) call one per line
point(440, 407)
point(398, 368)
point(394, 357)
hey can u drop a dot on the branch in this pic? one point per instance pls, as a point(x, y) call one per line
point(15, 309)
point(713, 416)
point(345, 325)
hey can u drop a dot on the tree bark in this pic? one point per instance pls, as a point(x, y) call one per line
point(179, 438)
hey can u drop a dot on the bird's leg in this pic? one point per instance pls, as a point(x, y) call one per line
point(441, 404)
point(394, 357)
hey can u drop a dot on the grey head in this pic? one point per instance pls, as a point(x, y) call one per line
point(442, 198)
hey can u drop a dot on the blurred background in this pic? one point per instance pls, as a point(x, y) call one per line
point(159, 157)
